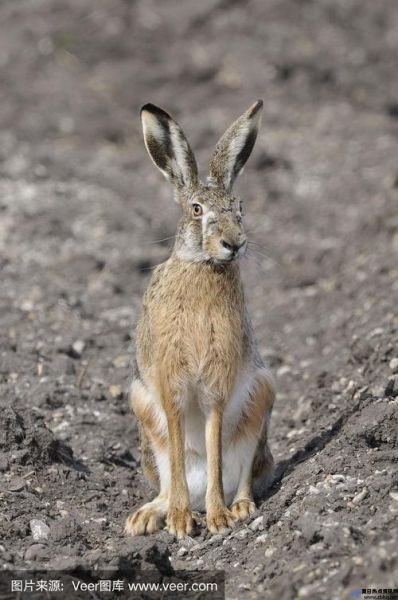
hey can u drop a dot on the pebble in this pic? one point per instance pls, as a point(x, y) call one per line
point(116, 391)
point(189, 541)
point(64, 563)
point(182, 551)
point(33, 551)
point(242, 534)
point(394, 494)
point(390, 388)
point(261, 539)
point(284, 370)
point(336, 477)
point(257, 524)
point(16, 484)
point(40, 531)
point(78, 348)
point(121, 361)
point(393, 364)
point(216, 539)
point(359, 497)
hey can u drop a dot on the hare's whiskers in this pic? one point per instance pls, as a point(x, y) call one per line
point(254, 251)
point(151, 267)
point(170, 237)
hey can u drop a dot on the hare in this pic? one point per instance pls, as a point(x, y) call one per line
point(201, 394)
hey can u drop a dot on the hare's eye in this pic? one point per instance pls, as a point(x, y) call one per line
point(197, 210)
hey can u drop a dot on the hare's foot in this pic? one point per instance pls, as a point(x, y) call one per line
point(242, 508)
point(147, 519)
point(180, 521)
point(219, 519)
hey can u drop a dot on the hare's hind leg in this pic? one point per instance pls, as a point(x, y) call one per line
point(263, 465)
point(152, 516)
point(252, 442)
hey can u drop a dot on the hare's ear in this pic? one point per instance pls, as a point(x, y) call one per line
point(235, 146)
point(167, 146)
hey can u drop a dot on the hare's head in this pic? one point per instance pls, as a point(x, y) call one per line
point(211, 227)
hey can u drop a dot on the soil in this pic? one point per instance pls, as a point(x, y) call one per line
point(83, 217)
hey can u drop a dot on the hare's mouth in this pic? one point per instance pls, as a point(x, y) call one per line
point(222, 261)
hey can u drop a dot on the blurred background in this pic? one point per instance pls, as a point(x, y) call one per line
point(84, 214)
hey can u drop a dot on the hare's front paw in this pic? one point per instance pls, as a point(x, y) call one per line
point(220, 519)
point(179, 521)
point(241, 509)
point(148, 519)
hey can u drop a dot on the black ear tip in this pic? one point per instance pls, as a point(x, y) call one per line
point(254, 109)
point(148, 107)
point(258, 105)
point(153, 109)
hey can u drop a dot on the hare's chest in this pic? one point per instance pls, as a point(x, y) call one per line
point(199, 323)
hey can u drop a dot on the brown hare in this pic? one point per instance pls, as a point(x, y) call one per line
point(202, 394)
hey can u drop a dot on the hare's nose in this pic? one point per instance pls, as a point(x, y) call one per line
point(233, 248)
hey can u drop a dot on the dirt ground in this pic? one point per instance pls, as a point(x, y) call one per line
point(81, 210)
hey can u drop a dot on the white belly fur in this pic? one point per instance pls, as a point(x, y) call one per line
point(234, 455)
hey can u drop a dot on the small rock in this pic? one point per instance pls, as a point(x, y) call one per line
point(361, 350)
point(241, 534)
point(359, 497)
point(40, 531)
point(93, 556)
point(393, 364)
point(33, 551)
point(16, 484)
point(64, 563)
point(336, 477)
point(394, 494)
point(284, 370)
point(269, 552)
point(261, 539)
point(78, 348)
point(116, 391)
point(216, 539)
point(136, 454)
point(189, 541)
point(121, 361)
point(257, 524)
point(182, 551)
point(390, 388)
